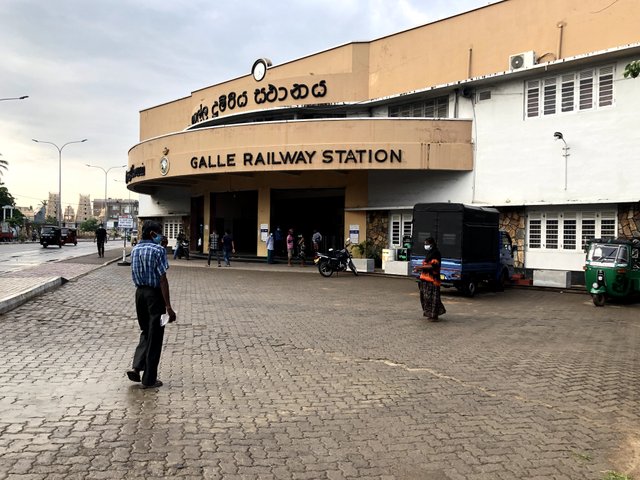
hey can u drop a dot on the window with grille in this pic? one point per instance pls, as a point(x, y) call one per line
point(561, 231)
point(535, 233)
point(569, 229)
point(584, 90)
point(432, 108)
point(401, 225)
point(551, 233)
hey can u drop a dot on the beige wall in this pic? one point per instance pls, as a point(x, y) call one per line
point(473, 44)
point(423, 144)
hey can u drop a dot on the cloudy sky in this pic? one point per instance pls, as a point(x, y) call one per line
point(90, 66)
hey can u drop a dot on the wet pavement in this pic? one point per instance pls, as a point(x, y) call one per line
point(277, 373)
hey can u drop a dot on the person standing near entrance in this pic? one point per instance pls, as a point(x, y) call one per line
point(149, 267)
point(290, 245)
point(228, 247)
point(213, 248)
point(301, 250)
point(101, 239)
point(270, 247)
point(429, 282)
point(316, 238)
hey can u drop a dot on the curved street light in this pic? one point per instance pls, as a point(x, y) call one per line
point(59, 172)
point(105, 184)
point(14, 98)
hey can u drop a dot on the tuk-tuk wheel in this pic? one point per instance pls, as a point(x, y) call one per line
point(598, 299)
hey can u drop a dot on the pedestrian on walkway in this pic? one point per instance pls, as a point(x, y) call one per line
point(149, 272)
point(101, 239)
point(301, 250)
point(316, 238)
point(270, 247)
point(228, 247)
point(290, 245)
point(429, 282)
point(214, 250)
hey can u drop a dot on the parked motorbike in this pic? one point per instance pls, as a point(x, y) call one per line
point(335, 261)
point(183, 249)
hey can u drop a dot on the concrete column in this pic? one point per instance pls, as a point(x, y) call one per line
point(264, 215)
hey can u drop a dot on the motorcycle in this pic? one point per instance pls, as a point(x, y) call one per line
point(182, 249)
point(335, 261)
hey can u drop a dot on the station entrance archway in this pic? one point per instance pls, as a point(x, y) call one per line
point(304, 210)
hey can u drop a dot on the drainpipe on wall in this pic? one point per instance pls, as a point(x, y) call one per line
point(561, 26)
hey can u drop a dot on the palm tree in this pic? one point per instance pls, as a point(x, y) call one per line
point(3, 165)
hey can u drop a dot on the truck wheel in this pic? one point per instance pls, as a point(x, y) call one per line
point(598, 299)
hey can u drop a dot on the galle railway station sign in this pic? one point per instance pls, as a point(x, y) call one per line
point(297, 157)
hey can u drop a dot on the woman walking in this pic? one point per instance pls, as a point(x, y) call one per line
point(429, 282)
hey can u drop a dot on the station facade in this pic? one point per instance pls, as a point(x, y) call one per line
point(521, 105)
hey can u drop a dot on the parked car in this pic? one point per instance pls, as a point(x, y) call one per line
point(51, 235)
point(69, 235)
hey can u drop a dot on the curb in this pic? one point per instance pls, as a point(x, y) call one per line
point(26, 295)
point(20, 298)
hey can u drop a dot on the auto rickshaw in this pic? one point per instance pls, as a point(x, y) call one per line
point(51, 235)
point(612, 269)
point(69, 236)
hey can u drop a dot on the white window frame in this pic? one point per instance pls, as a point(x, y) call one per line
point(588, 89)
point(561, 231)
point(400, 224)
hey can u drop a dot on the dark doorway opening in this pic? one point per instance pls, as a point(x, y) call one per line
point(196, 225)
point(238, 213)
point(304, 210)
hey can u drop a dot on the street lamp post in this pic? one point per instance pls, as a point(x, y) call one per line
point(105, 184)
point(59, 172)
point(14, 98)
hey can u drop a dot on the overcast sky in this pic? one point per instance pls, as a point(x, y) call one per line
point(90, 66)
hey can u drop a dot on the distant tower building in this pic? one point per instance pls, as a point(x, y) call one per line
point(69, 215)
point(52, 205)
point(84, 209)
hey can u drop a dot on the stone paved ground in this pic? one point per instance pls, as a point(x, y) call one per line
point(287, 375)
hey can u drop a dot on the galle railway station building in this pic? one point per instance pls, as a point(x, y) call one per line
point(521, 105)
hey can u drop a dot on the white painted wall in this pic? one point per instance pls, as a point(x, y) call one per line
point(519, 162)
point(167, 202)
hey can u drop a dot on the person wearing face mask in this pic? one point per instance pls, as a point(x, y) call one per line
point(429, 282)
point(149, 272)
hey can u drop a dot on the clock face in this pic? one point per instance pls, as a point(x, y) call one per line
point(164, 165)
point(259, 70)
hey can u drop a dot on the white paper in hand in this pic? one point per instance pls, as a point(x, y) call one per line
point(164, 319)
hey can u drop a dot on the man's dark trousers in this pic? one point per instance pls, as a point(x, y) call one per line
point(149, 307)
point(101, 248)
point(212, 253)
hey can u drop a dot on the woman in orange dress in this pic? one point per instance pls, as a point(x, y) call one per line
point(429, 283)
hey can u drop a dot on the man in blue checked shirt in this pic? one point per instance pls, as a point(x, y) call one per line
point(149, 271)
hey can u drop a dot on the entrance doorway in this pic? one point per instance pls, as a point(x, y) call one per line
point(238, 213)
point(309, 209)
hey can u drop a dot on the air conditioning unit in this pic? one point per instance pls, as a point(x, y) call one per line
point(522, 60)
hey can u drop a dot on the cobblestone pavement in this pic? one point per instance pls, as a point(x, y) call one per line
point(285, 375)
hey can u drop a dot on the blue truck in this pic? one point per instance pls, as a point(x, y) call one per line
point(474, 249)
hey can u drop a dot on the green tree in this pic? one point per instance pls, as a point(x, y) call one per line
point(89, 225)
point(51, 220)
point(6, 198)
point(632, 69)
